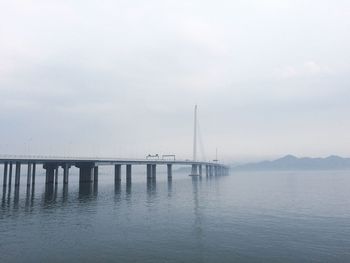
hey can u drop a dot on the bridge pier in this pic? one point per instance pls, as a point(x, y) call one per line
point(200, 169)
point(5, 174)
point(85, 172)
point(65, 173)
point(154, 171)
point(56, 175)
point(18, 174)
point(149, 171)
point(10, 175)
point(117, 173)
point(50, 172)
point(170, 171)
point(33, 174)
point(128, 173)
point(29, 173)
point(96, 174)
point(194, 170)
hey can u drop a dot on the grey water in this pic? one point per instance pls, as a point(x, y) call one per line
point(244, 217)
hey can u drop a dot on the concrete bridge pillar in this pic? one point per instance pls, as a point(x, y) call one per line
point(29, 174)
point(149, 171)
point(154, 170)
point(86, 171)
point(194, 171)
point(33, 173)
point(117, 173)
point(215, 170)
point(5, 174)
point(56, 175)
point(210, 170)
point(65, 173)
point(128, 173)
point(95, 174)
point(200, 169)
point(170, 171)
point(50, 172)
point(10, 175)
point(18, 174)
point(206, 170)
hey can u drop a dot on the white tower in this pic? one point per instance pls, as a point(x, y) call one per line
point(195, 135)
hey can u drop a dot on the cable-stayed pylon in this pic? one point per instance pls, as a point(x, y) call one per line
point(195, 135)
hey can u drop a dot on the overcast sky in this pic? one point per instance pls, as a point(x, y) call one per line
point(120, 78)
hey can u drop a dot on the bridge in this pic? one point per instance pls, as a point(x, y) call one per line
point(88, 167)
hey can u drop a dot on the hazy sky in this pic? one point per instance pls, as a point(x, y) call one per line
point(120, 78)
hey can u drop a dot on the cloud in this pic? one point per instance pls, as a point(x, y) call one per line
point(306, 69)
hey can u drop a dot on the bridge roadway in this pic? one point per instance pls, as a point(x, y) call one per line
point(88, 168)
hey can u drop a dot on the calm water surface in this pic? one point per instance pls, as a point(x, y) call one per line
point(244, 217)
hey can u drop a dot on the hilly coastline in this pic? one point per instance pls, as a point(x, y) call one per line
point(291, 162)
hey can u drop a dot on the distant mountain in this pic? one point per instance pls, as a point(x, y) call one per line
point(291, 162)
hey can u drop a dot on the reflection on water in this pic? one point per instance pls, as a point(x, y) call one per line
point(117, 190)
point(65, 193)
point(128, 189)
point(16, 198)
point(170, 186)
point(151, 186)
point(248, 217)
point(49, 194)
point(197, 225)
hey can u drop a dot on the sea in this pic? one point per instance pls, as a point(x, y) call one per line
point(279, 216)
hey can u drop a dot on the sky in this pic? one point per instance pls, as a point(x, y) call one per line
point(121, 78)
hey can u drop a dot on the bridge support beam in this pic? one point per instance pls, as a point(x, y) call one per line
point(33, 174)
point(29, 174)
point(194, 170)
point(18, 174)
point(65, 173)
point(117, 173)
point(5, 174)
point(128, 173)
point(10, 175)
point(200, 169)
point(210, 170)
point(56, 175)
point(50, 172)
point(95, 174)
point(149, 171)
point(170, 171)
point(154, 171)
point(85, 172)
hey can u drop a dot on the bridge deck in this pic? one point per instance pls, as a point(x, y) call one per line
point(99, 161)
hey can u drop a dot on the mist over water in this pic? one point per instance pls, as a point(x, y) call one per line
point(244, 217)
